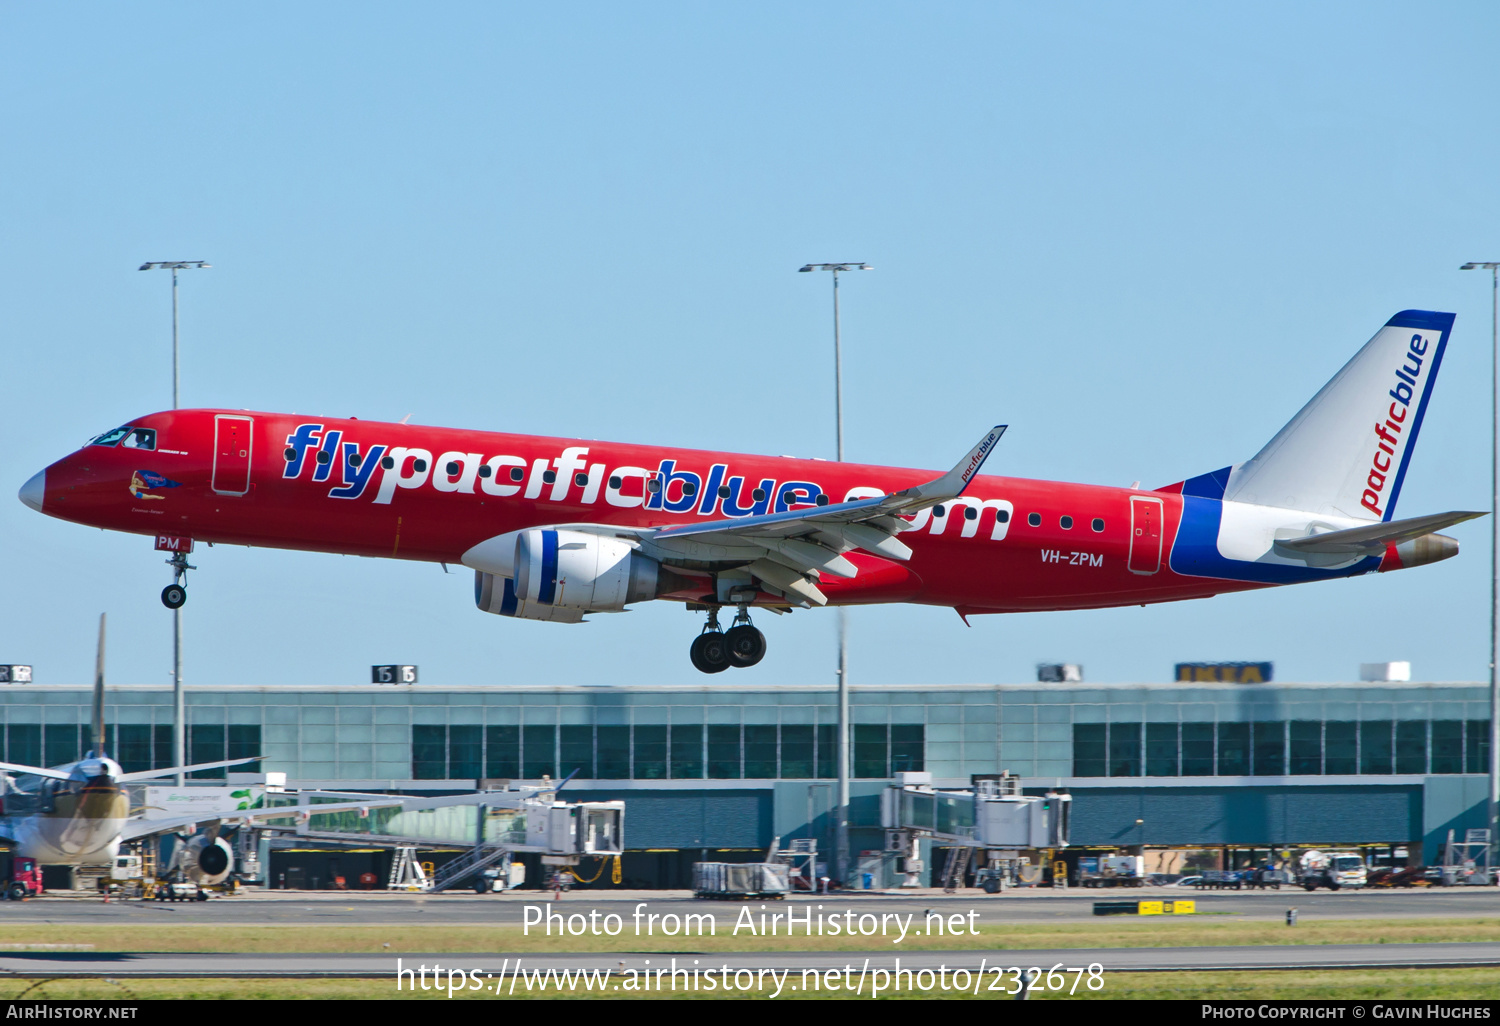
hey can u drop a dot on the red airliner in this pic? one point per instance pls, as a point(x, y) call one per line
point(556, 528)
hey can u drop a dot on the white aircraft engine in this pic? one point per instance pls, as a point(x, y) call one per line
point(560, 575)
point(207, 862)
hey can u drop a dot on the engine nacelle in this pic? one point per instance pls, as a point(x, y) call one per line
point(560, 575)
point(206, 862)
point(1429, 548)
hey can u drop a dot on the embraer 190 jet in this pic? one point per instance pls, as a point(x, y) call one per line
point(557, 528)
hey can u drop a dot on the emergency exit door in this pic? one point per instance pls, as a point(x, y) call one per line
point(232, 454)
point(1145, 534)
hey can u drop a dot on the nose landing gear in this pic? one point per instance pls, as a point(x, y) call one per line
point(715, 650)
point(175, 594)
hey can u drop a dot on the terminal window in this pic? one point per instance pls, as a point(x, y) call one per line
point(1268, 748)
point(724, 751)
point(649, 751)
point(1278, 747)
point(1197, 749)
point(1306, 740)
point(613, 748)
point(1090, 749)
point(1124, 749)
point(135, 746)
point(575, 747)
point(687, 751)
point(1234, 749)
point(214, 742)
point(650, 761)
point(1161, 749)
point(760, 750)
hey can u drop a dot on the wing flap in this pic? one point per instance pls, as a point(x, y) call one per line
point(788, 580)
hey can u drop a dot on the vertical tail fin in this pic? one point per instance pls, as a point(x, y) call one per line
point(97, 721)
point(1347, 451)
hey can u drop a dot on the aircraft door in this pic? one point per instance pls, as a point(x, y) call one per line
point(1145, 534)
point(232, 454)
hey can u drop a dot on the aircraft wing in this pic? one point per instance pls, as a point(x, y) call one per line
point(1372, 539)
point(789, 550)
point(172, 770)
point(35, 771)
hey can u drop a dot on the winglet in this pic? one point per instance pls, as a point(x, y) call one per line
point(953, 484)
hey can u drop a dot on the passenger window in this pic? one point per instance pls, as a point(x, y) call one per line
point(1065, 522)
point(1034, 519)
point(1097, 525)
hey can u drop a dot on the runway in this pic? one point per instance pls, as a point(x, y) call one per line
point(500, 966)
point(460, 908)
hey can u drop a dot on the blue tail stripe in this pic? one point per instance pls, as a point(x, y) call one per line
point(1425, 320)
point(1435, 321)
point(1208, 486)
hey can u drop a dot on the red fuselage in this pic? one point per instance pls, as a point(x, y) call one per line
point(424, 493)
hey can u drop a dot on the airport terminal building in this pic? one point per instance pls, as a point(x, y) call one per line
point(712, 767)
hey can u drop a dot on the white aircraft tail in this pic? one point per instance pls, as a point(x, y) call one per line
point(1346, 453)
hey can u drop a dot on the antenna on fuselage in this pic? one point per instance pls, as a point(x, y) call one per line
point(97, 722)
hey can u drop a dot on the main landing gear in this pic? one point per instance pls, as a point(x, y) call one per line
point(175, 594)
point(716, 650)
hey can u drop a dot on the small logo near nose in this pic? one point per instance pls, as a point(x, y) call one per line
point(143, 482)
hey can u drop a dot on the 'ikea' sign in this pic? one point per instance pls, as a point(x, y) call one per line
point(1225, 673)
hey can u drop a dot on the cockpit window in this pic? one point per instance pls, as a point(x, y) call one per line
point(111, 437)
point(128, 438)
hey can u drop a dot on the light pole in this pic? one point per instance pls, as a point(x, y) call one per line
point(179, 713)
point(841, 810)
point(1492, 808)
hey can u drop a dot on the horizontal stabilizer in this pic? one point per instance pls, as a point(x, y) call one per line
point(1373, 539)
point(36, 771)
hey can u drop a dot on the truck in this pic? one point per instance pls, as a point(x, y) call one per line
point(1331, 869)
point(1112, 871)
point(24, 880)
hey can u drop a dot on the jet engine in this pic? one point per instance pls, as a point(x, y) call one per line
point(560, 575)
point(205, 861)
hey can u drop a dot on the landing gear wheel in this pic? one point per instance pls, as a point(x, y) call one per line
point(173, 596)
point(747, 645)
point(710, 652)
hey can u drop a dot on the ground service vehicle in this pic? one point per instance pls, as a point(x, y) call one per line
point(1332, 869)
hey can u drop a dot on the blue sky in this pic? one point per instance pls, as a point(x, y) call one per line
point(1142, 235)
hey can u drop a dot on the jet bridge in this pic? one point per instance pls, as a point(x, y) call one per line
point(993, 818)
point(492, 824)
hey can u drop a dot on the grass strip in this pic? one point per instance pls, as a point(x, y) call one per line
point(1256, 985)
point(399, 940)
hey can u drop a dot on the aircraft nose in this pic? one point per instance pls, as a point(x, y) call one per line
point(33, 490)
